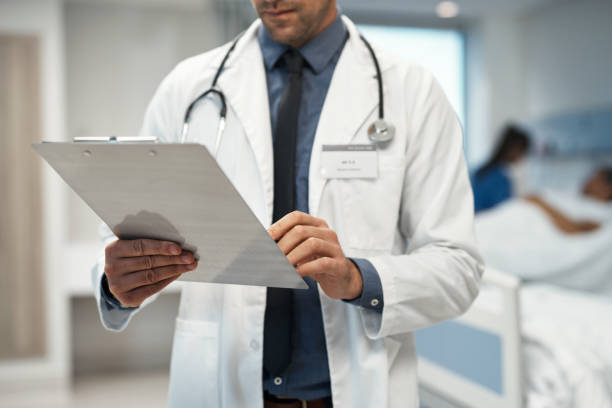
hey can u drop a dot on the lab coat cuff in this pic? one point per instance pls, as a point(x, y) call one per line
point(372, 293)
point(112, 318)
point(111, 301)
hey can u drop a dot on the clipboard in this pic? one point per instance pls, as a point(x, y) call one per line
point(178, 193)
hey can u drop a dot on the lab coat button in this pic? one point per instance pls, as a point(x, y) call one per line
point(374, 302)
point(254, 344)
point(278, 381)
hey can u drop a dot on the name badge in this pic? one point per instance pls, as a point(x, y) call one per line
point(349, 161)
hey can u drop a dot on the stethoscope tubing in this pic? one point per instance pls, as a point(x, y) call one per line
point(223, 111)
point(214, 90)
point(381, 99)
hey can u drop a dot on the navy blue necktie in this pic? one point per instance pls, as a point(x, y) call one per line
point(277, 322)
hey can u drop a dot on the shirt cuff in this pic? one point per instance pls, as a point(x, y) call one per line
point(111, 301)
point(372, 293)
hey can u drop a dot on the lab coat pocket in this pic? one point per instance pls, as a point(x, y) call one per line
point(371, 206)
point(193, 370)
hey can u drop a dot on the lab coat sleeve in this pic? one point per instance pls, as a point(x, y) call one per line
point(112, 318)
point(438, 276)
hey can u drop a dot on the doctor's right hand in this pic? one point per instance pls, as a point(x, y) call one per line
point(137, 269)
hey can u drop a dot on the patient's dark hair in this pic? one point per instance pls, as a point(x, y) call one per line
point(608, 173)
point(511, 137)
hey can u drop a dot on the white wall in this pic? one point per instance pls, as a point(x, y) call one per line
point(554, 59)
point(495, 91)
point(116, 55)
point(568, 55)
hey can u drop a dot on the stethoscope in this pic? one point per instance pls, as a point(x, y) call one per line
point(380, 132)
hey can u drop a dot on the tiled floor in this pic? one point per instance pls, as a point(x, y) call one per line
point(147, 389)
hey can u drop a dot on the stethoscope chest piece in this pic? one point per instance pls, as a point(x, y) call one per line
point(381, 131)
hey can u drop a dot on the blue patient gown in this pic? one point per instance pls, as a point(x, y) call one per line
point(491, 188)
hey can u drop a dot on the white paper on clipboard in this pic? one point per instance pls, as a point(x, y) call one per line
point(178, 193)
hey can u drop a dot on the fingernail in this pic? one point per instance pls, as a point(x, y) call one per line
point(193, 265)
point(175, 250)
point(186, 258)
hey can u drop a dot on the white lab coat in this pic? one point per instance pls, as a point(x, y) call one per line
point(413, 223)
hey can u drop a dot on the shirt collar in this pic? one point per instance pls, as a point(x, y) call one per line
point(317, 52)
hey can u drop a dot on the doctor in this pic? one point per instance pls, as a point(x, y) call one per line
point(386, 251)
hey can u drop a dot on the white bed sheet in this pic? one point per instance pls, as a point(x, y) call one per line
point(520, 239)
point(567, 343)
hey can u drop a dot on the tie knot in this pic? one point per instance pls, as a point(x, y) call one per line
point(294, 61)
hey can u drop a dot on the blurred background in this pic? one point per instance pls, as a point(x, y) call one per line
point(89, 67)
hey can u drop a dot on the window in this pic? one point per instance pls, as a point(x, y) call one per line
point(440, 51)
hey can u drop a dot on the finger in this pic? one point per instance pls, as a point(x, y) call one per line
point(138, 263)
point(141, 247)
point(136, 296)
point(317, 268)
point(151, 276)
point(280, 227)
point(300, 233)
point(312, 248)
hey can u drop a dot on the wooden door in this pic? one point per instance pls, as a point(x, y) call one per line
point(22, 328)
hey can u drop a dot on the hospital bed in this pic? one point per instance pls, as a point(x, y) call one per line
point(529, 346)
point(475, 361)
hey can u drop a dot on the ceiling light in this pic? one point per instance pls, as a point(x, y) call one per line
point(447, 9)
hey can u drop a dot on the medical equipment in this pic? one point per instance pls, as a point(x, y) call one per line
point(545, 336)
point(212, 90)
point(475, 360)
point(380, 131)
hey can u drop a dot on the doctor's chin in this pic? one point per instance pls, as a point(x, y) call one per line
point(305, 204)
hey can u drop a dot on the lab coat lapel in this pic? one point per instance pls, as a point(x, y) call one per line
point(350, 100)
point(245, 87)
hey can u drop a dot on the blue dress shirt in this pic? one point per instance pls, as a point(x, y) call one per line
point(491, 188)
point(307, 376)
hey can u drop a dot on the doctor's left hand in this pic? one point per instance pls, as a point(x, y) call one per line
point(313, 247)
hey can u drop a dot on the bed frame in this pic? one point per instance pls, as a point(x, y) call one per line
point(475, 360)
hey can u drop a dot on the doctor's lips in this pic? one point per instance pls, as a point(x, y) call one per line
point(278, 13)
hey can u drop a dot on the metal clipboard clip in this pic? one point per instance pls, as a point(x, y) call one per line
point(115, 139)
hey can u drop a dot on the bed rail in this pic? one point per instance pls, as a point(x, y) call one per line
point(475, 361)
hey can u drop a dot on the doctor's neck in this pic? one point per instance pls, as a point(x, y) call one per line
point(295, 22)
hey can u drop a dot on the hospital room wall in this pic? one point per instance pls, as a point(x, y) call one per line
point(114, 69)
point(554, 59)
point(569, 55)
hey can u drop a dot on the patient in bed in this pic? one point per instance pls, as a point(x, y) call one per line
point(554, 237)
point(598, 187)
